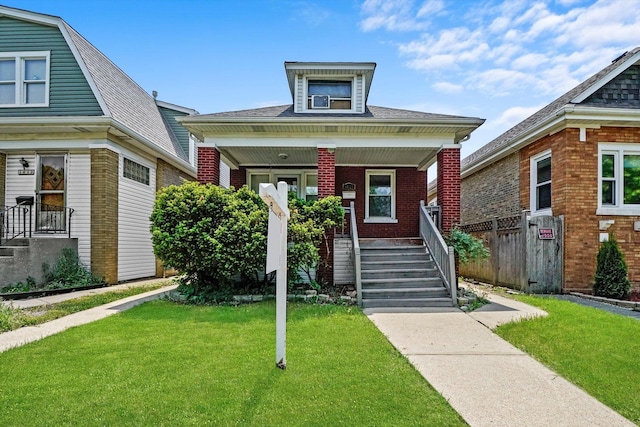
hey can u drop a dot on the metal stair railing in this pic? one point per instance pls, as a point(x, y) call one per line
point(356, 252)
point(442, 254)
point(18, 221)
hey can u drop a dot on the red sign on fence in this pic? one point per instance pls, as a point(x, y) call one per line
point(545, 234)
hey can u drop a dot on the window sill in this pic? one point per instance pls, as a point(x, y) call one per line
point(626, 211)
point(543, 212)
point(380, 220)
point(23, 105)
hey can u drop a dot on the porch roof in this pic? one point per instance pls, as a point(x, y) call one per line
point(276, 136)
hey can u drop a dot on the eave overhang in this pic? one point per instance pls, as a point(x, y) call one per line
point(48, 127)
point(570, 116)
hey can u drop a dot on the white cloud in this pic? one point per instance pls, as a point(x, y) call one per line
point(447, 87)
point(430, 7)
point(396, 15)
point(512, 116)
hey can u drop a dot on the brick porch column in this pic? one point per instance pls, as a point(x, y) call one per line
point(104, 214)
point(208, 165)
point(326, 172)
point(326, 187)
point(449, 187)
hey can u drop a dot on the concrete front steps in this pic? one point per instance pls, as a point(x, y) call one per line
point(400, 273)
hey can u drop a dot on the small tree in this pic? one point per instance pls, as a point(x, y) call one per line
point(611, 271)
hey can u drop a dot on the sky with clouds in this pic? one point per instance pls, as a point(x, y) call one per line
point(498, 60)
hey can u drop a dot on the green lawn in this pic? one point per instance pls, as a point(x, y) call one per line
point(167, 364)
point(14, 318)
point(594, 349)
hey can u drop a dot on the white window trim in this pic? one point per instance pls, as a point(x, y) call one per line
point(380, 219)
point(20, 95)
point(301, 174)
point(618, 150)
point(533, 178)
point(305, 94)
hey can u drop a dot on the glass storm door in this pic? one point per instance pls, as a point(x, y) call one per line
point(50, 211)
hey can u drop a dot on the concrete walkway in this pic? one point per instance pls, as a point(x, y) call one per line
point(29, 334)
point(487, 380)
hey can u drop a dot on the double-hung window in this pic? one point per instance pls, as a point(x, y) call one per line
point(381, 196)
point(540, 180)
point(24, 79)
point(329, 94)
point(619, 179)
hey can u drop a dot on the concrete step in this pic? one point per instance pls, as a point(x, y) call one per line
point(15, 243)
point(407, 302)
point(393, 257)
point(399, 273)
point(406, 282)
point(6, 252)
point(404, 293)
point(396, 265)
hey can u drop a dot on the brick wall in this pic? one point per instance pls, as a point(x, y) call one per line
point(238, 177)
point(574, 188)
point(167, 175)
point(3, 177)
point(326, 173)
point(410, 189)
point(449, 186)
point(492, 191)
point(104, 214)
point(208, 165)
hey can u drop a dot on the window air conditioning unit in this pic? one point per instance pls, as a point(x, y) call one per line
point(320, 101)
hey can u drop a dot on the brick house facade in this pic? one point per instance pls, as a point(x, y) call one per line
point(588, 140)
point(329, 141)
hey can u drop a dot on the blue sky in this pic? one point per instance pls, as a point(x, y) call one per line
point(498, 60)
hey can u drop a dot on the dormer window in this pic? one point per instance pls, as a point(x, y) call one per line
point(329, 94)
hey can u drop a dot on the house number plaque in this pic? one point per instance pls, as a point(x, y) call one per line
point(348, 190)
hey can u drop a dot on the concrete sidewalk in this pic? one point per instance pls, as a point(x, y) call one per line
point(29, 334)
point(487, 380)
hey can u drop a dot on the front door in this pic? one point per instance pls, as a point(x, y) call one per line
point(51, 193)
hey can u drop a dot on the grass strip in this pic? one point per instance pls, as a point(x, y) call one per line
point(594, 349)
point(164, 364)
point(13, 318)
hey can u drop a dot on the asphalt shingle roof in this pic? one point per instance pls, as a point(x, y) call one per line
point(286, 111)
point(510, 135)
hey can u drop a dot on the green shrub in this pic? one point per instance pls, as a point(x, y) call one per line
point(25, 286)
point(10, 318)
point(611, 271)
point(466, 247)
point(217, 237)
point(67, 272)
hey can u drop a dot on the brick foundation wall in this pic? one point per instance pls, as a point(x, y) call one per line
point(492, 191)
point(208, 165)
point(104, 214)
point(3, 177)
point(574, 188)
point(410, 189)
point(449, 187)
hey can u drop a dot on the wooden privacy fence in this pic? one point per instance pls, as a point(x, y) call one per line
point(526, 252)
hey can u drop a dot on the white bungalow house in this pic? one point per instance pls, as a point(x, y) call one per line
point(83, 149)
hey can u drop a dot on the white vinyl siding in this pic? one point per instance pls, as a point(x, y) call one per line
point(358, 96)
point(79, 199)
point(19, 185)
point(225, 175)
point(135, 203)
point(300, 97)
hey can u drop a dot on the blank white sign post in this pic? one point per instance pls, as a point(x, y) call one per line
point(277, 259)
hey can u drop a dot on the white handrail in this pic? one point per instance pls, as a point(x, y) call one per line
point(442, 254)
point(356, 252)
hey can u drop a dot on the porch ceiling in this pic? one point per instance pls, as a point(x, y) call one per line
point(421, 157)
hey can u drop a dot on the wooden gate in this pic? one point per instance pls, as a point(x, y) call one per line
point(544, 255)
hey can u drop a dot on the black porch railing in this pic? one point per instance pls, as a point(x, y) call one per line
point(25, 219)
